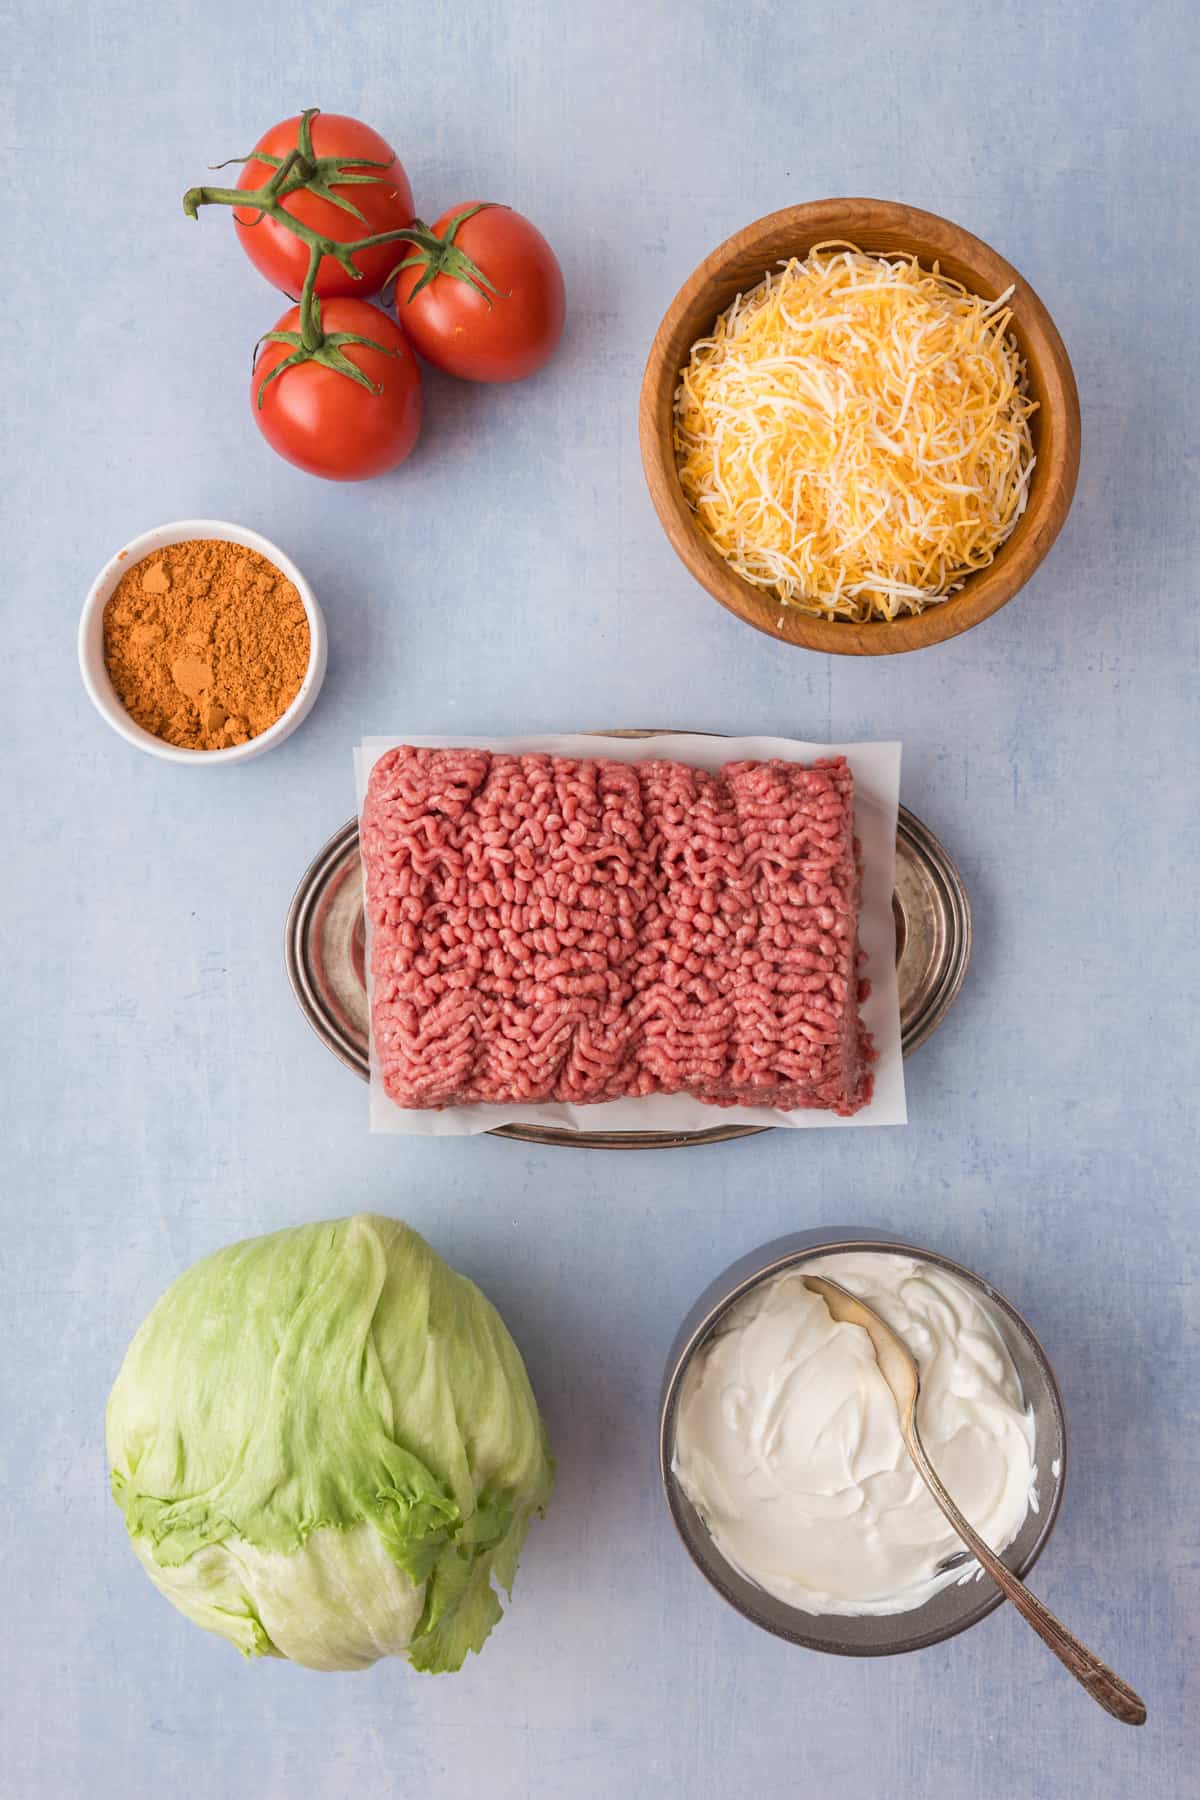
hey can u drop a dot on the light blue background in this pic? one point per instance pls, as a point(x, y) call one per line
point(163, 1094)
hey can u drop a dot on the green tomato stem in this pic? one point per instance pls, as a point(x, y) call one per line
point(301, 168)
point(442, 256)
point(311, 335)
point(312, 343)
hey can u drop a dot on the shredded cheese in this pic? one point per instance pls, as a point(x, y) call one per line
point(854, 434)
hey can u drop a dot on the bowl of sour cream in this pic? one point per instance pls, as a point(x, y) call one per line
point(781, 1454)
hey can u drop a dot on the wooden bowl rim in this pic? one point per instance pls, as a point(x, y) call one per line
point(930, 237)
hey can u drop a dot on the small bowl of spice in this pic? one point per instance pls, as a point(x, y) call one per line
point(201, 641)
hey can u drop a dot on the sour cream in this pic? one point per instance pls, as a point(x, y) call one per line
point(788, 1445)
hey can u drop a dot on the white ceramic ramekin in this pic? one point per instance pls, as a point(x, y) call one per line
point(91, 642)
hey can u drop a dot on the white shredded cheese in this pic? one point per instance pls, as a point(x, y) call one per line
point(853, 435)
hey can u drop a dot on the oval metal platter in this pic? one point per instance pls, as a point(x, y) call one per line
point(325, 952)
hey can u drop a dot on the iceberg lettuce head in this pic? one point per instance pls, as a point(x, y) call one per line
point(325, 1447)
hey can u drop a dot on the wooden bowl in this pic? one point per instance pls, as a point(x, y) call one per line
point(878, 226)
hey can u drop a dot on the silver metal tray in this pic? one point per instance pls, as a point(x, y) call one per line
point(325, 949)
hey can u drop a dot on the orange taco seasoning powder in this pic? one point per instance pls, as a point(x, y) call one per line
point(206, 643)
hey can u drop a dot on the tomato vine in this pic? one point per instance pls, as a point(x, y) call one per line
point(322, 176)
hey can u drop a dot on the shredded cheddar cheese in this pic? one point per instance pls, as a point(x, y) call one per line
point(854, 434)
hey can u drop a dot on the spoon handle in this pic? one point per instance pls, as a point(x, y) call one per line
point(1105, 1687)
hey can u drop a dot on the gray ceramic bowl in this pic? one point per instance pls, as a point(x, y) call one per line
point(955, 1607)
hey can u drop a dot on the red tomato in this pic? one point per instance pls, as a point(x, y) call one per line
point(457, 321)
point(323, 420)
point(386, 205)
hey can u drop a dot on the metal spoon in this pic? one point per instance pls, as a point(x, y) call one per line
point(899, 1369)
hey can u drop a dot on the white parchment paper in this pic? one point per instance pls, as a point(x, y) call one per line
point(877, 798)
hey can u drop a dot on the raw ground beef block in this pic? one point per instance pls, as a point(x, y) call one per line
point(547, 928)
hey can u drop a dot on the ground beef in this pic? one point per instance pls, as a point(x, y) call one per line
point(547, 928)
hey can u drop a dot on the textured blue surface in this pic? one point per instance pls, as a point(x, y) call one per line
point(163, 1094)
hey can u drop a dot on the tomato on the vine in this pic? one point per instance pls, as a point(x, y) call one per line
point(354, 167)
point(322, 415)
point(480, 293)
